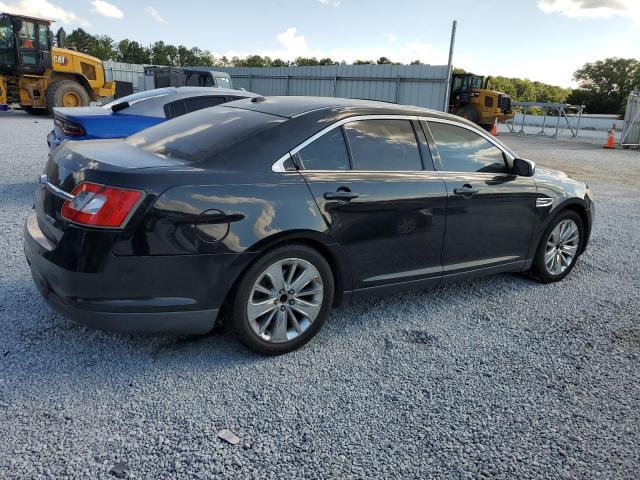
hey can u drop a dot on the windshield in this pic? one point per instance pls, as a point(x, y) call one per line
point(135, 98)
point(204, 133)
point(223, 82)
point(477, 82)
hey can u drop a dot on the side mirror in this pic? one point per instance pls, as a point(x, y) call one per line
point(523, 168)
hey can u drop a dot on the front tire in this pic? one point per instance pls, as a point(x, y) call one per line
point(559, 248)
point(66, 93)
point(282, 300)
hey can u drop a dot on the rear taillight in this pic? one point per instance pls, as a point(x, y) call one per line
point(69, 128)
point(100, 206)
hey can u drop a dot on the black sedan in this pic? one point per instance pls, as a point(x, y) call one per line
point(273, 210)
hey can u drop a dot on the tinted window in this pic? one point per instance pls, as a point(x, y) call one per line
point(462, 150)
point(204, 133)
point(175, 109)
point(383, 145)
point(328, 152)
point(198, 103)
point(43, 36)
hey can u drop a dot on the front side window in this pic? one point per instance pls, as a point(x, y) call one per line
point(328, 152)
point(383, 145)
point(462, 150)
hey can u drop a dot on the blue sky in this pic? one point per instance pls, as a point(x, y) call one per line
point(544, 40)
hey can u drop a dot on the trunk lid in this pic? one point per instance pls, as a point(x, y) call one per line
point(94, 161)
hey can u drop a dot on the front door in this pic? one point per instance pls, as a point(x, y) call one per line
point(490, 211)
point(374, 183)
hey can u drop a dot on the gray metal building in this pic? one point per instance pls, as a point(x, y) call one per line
point(421, 85)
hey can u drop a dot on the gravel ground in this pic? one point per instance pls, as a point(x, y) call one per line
point(498, 377)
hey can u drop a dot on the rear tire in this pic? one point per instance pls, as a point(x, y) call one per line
point(282, 300)
point(66, 93)
point(558, 250)
point(468, 112)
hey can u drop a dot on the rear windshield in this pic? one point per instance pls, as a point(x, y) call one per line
point(202, 134)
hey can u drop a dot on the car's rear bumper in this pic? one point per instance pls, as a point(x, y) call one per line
point(173, 294)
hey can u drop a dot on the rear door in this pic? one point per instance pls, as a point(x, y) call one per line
point(373, 181)
point(490, 211)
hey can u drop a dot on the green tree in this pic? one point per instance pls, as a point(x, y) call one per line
point(606, 84)
point(100, 46)
point(364, 62)
point(384, 61)
point(129, 51)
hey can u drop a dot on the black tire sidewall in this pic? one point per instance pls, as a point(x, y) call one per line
point(56, 91)
point(239, 321)
point(539, 267)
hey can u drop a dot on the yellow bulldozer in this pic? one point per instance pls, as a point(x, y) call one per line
point(472, 99)
point(39, 76)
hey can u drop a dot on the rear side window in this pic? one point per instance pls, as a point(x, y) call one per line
point(188, 105)
point(383, 145)
point(204, 133)
point(329, 152)
point(462, 150)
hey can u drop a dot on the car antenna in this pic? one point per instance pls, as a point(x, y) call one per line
point(257, 99)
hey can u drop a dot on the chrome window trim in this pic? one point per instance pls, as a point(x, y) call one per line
point(510, 157)
point(278, 165)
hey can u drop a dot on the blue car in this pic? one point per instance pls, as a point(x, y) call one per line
point(128, 115)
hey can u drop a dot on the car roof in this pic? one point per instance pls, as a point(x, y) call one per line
point(293, 106)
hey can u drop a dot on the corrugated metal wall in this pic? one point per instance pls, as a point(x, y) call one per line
point(421, 85)
point(125, 72)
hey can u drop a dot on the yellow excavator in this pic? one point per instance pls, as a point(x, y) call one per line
point(472, 99)
point(39, 76)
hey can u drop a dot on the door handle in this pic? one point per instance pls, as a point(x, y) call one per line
point(466, 189)
point(341, 195)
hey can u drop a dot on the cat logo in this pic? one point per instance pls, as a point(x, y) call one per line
point(60, 59)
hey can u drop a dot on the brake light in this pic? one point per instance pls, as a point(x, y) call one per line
point(69, 128)
point(100, 206)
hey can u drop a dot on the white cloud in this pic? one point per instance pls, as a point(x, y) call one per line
point(153, 13)
point(294, 44)
point(106, 9)
point(591, 8)
point(390, 37)
point(44, 8)
point(335, 3)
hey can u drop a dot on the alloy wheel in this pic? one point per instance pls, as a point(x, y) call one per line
point(562, 246)
point(285, 300)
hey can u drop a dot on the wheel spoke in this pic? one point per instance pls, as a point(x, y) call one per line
point(569, 230)
point(279, 331)
point(274, 273)
point(264, 324)
point(308, 309)
point(294, 320)
point(292, 272)
point(303, 279)
point(257, 309)
point(266, 291)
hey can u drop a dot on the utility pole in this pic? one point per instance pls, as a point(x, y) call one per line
point(450, 67)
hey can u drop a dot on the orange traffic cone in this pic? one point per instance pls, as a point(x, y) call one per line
point(494, 129)
point(610, 139)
